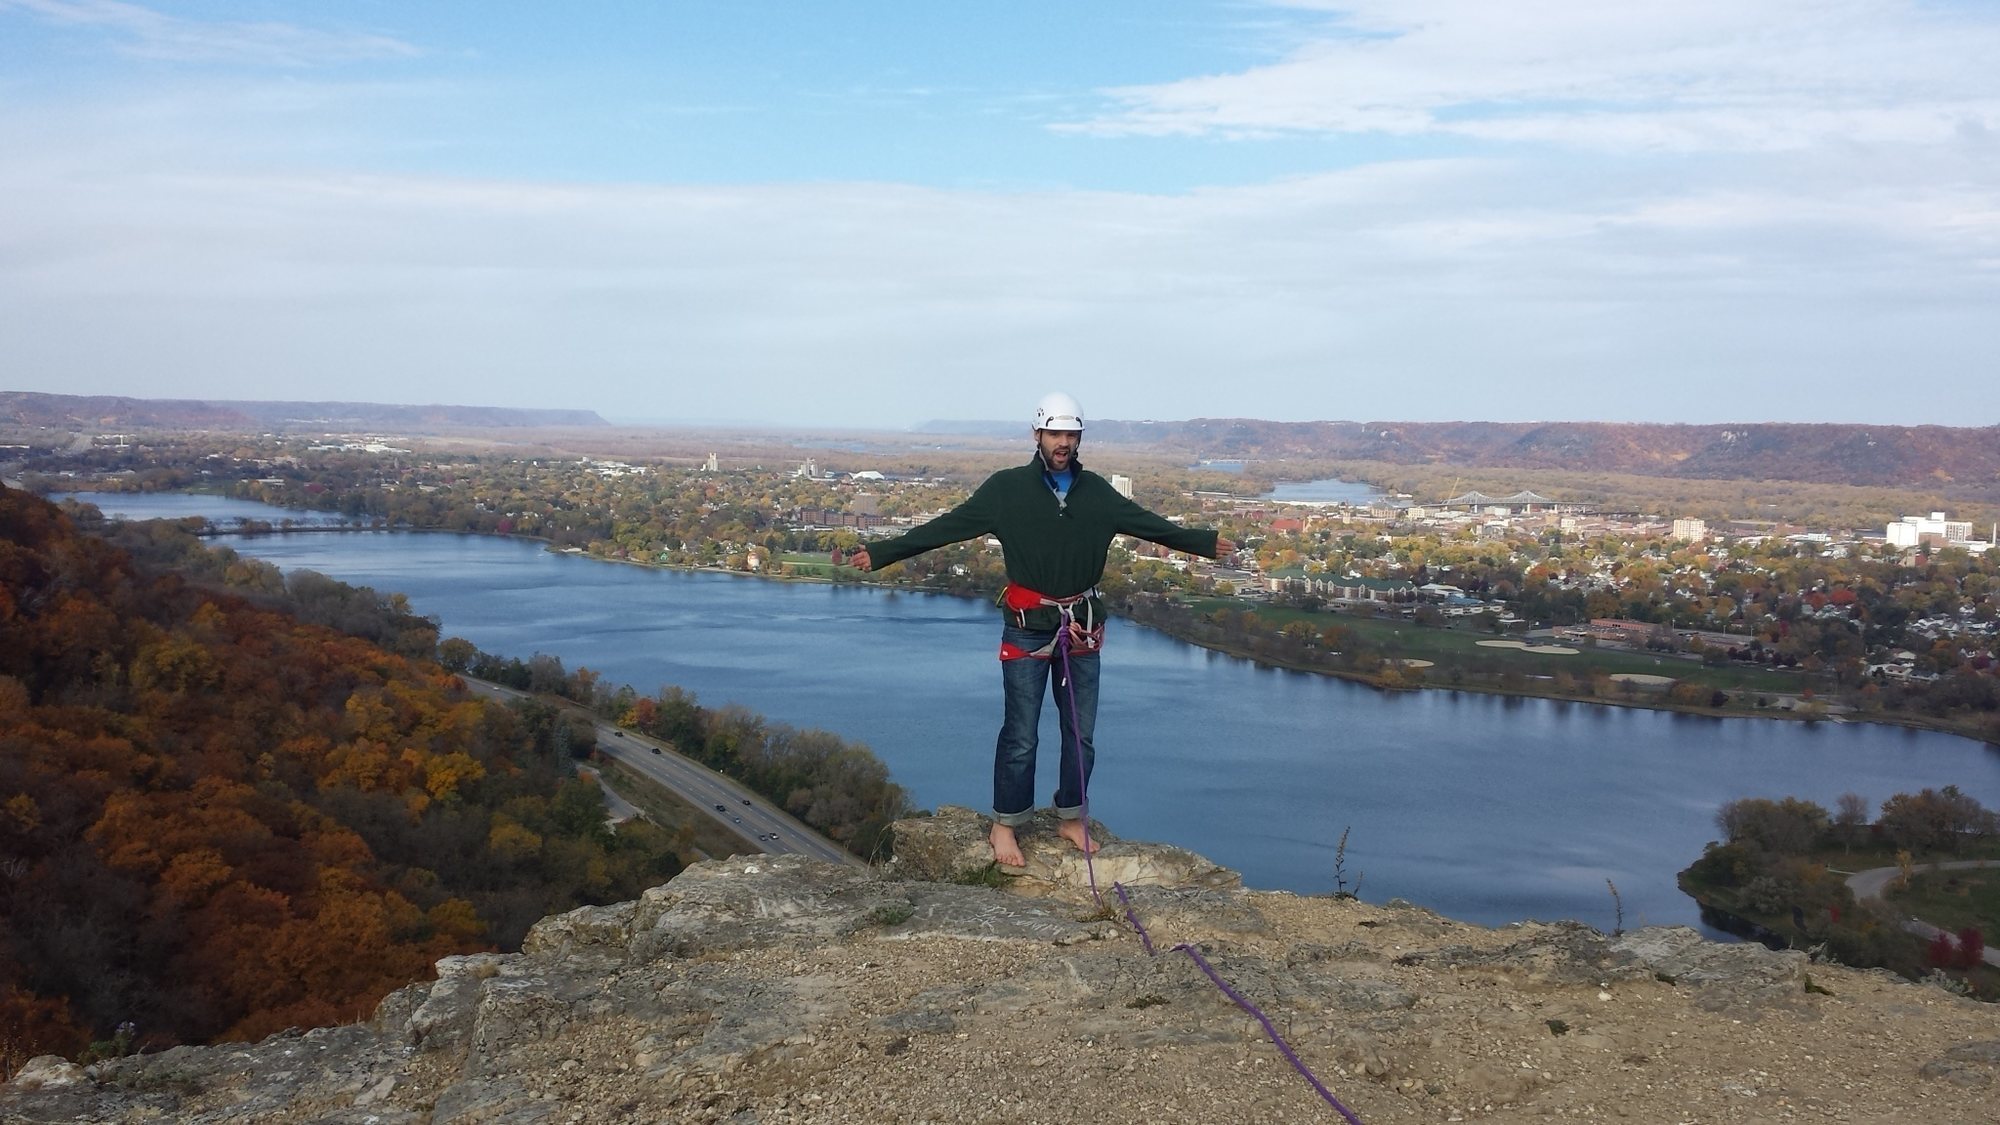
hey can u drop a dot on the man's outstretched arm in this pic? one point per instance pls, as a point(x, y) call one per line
point(1137, 521)
point(972, 518)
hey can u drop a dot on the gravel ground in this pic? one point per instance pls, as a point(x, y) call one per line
point(1102, 1033)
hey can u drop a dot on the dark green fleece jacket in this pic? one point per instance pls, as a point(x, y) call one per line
point(1054, 548)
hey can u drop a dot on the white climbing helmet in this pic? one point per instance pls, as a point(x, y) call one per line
point(1058, 411)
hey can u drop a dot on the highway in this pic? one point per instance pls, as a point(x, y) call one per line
point(747, 814)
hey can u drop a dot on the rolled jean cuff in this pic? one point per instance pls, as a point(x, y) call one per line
point(1014, 819)
point(1074, 813)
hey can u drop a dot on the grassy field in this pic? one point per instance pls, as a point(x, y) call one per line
point(812, 566)
point(1953, 900)
point(1883, 855)
point(1446, 645)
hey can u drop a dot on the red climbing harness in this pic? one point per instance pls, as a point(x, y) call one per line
point(1086, 633)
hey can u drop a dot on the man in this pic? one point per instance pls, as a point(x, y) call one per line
point(1055, 521)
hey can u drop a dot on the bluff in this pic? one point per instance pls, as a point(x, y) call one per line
point(105, 412)
point(1963, 458)
point(776, 989)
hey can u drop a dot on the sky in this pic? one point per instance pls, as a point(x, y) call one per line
point(872, 215)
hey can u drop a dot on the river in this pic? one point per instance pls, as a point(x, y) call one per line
point(1332, 490)
point(1485, 808)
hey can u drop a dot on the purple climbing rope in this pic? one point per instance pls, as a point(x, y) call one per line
point(1132, 916)
point(1277, 1040)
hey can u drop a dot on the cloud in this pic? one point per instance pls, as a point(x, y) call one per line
point(1638, 216)
point(1693, 76)
point(143, 32)
point(1441, 288)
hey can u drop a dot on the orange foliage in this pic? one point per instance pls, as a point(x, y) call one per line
point(642, 716)
point(161, 748)
point(35, 1025)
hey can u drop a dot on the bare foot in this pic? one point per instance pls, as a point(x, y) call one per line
point(1006, 849)
point(1078, 834)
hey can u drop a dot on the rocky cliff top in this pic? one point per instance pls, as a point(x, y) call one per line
point(760, 990)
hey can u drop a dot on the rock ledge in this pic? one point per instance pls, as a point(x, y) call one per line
point(760, 990)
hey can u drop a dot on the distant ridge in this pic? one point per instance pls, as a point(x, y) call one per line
point(976, 428)
point(1826, 453)
point(99, 412)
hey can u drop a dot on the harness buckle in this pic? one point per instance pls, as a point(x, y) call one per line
point(1018, 600)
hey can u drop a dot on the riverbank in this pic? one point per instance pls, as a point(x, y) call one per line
point(1792, 706)
point(1435, 673)
point(1403, 676)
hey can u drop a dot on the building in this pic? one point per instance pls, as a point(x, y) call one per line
point(1341, 589)
point(1122, 485)
point(1937, 531)
point(1690, 530)
point(829, 517)
point(1616, 630)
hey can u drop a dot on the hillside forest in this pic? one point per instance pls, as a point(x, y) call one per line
point(232, 803)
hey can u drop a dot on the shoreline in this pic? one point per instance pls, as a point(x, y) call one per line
point(1367, 679)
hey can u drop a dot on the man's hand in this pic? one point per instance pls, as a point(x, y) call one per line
point(1224, 547)
point(859, 560)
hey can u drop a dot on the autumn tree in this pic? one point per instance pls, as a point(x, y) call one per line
point(1789, 826)
point(220, 820)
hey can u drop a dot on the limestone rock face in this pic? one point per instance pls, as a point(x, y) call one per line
point(587, 927)
point(49, 1072)
point(952, 845)
point(766, 990)
point(1745, 977)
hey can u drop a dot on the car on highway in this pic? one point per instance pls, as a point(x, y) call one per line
point(746, 800)
point(618, 734)
point(722, 808)
point(656, 749)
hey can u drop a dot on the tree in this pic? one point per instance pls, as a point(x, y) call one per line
point(1941, 952)
point(1971, 948)
point(1850, 817)
point(34, 1025)
point(456, 654)
point(546, 675)
point(1787, 827)
point(1934, 819)
point(578, 807)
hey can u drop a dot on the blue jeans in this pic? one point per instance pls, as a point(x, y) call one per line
point(1025, 681)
